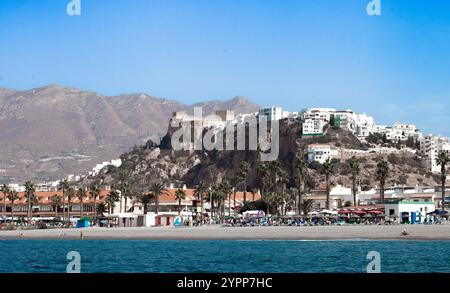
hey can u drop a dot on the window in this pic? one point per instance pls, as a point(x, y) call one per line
point(391, 212)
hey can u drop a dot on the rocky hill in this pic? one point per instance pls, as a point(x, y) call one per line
point(153, 162)
point(52, 131)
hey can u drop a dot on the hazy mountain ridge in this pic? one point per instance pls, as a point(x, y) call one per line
point(53, 131)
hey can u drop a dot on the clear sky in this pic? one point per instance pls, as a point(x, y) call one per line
point(295, 54)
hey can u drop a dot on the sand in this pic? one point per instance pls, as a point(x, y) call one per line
point(416, 232)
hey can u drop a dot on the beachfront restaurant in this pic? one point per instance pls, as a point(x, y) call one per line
point(409, 211)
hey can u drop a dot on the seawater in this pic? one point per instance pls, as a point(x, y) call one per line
point(44, 256)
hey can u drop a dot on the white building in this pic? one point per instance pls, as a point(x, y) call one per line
point(409, 211)
point(273, 113)
point(405, 131)
point(321, 152)
point(312, 127)
point(365, 125)
point(323, 114)
point(347, 119)
point(430, 147)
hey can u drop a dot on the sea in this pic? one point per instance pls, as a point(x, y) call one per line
point(228, 256)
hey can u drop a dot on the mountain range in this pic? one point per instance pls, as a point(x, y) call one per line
point(50, 132)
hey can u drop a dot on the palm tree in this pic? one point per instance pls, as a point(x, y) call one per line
point(29, 193)
point(302, 171)
point(442, 160)
point(81, 193)
point(5, 190)
point(111, 200)
point(64, 186)
point(290, 199)
point(226, 189)
point(157, 189)
point(70, 194)
point(12, 196)
point(264, 175)
point(56, 201)
point(101, 208)
point(123, 176)
point(382, 173)
point(145, 199)
point(244, 168)
point(328, 170)
point(94, 191)
point(125, 192)
point(354, 168)
point(307, 206)
point(199, 193)
point(180, 194)
point(253, 191)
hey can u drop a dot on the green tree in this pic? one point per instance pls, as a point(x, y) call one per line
point(225, 190)
point(125, 191)
point(307, 206)
point(70, 195)
point(199, 192)
point(5, 190)
point(442, 160)
point(101, 208)
point(56, 201)
point(81, 193)
point(355, 170)
point(328, 171)
point(302, 172)
point(13, 196)
point(29, 193)
point(111, 200)
point(145, 199)
point(157, 189)
point(244, 168)
point(264, 177)
point(180, 195)
point(64, 186)
point(94, 191)
point(382, 173)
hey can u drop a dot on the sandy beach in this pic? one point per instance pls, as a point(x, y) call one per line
point(416, 232)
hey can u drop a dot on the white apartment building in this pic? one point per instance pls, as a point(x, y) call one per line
point(430, 146)
point(321, 152)
point(359, 124)
point(323, 114)
point(365, 125)
point(405, 131)
point(399, 131)
point(273, 113)
point(312, 127)
point(347, 119)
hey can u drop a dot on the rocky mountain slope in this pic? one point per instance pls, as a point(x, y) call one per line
point(49, 132)
point(153, 162)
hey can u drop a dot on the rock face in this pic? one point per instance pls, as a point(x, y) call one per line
point(52, 131)
point(213, 166)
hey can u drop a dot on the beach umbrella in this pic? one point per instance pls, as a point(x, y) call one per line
point(343, 216)
point(355, 216)
point(367, 216)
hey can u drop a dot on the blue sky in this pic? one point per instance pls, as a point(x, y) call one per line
point(296, 54)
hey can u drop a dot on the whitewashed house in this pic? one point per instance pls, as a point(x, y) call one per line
point(321, 152)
